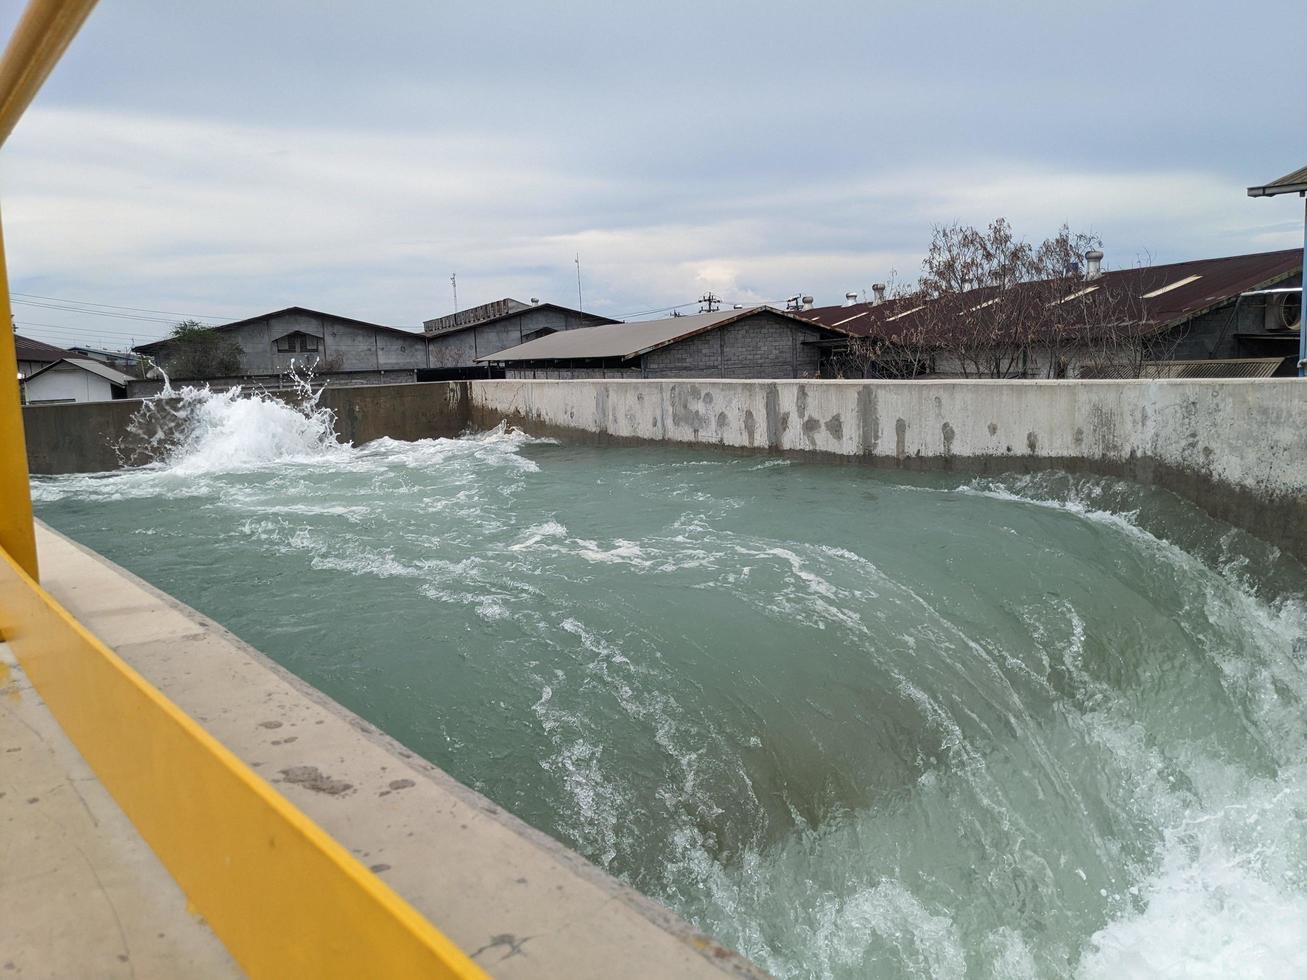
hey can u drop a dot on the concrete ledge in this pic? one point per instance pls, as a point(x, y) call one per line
point(519, 902)
point(1237, 448)
point(82, 894)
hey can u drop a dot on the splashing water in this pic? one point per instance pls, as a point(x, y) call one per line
point(197, 430)
point(853, 724)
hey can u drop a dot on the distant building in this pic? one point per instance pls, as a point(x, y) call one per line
point(74, 379)
point(34, 355)
point(459, 341)
point(1237, 316)
point(125, 361)
point(273, 343)
point(754, 343)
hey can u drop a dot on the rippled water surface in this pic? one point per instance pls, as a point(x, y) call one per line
point(854, 724)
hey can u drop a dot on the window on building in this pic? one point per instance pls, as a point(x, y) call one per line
point(297, 341)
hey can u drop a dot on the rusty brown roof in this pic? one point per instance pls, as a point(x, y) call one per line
point(1197, 286)
point(36, 350)
point(1230, 367)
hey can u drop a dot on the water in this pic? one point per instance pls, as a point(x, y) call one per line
point(854, 724)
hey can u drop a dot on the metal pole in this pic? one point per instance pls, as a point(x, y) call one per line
point(1302, 301)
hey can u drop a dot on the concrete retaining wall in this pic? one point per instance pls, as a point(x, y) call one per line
point(88, 437)
point(1236, 448)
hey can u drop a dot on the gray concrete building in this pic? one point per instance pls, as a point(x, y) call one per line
point(329, 344)
point(755, 343)
point(462, 339)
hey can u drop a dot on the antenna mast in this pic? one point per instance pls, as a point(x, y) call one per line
point(453, 282)
point(579, 306)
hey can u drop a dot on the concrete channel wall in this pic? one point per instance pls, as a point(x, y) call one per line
point(92, 437)
point(1236, 448)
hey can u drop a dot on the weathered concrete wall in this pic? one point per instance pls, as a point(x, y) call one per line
point(86, 438)
point(413, 411)
point(1236, 448)
point(76, 438)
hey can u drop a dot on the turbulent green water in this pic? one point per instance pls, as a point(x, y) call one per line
point(852, 724)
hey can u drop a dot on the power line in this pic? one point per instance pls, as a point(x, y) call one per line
point(663, 309)
point(102, 313)
point(102, 331)
point(111, 306)
point(78, 333)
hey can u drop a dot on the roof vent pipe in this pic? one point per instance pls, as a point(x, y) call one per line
point(878, 291)
point(807, 302)
point(850, 299)
point(1093, 264)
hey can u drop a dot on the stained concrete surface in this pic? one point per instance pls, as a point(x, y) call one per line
point(81, 894)
point(517, 901)
point(1236, 448)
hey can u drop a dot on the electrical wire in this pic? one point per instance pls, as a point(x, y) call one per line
point(133, 309)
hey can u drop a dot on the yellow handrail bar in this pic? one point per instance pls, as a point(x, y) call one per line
point(46, 29)
point(284, 897)
point(41, 37)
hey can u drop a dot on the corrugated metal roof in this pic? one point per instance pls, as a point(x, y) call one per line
point(91, 366)
point(1288, 184)
point(1234, 367)
point(1197, 286)
point(36, 350)
point(623, 340)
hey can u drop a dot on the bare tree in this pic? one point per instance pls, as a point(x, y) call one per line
point(994, 306)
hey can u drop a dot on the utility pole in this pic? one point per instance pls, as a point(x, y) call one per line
point(579, 306)
point(709, 303)
point(453, 282)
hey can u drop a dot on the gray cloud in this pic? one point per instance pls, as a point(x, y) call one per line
point(238, 157)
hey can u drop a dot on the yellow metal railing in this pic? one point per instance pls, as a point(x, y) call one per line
point(285, 898)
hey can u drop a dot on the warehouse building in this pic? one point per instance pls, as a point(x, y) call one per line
point(459, 341)
point(1234, 316)
point(755, 343)
point(330, 345)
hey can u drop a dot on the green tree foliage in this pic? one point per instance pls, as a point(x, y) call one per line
point(197, 351)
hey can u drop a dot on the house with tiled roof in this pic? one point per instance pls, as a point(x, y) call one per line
point(1235, 316)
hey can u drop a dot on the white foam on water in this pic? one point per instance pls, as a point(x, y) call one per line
point(1198, 869)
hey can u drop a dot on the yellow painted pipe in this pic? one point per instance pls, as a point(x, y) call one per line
point(41, 37)
point(44, 32)
point(17, 536)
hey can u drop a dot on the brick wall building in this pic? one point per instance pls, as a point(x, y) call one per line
point(753, 343)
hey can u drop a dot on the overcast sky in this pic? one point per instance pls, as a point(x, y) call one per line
point(227, 159)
